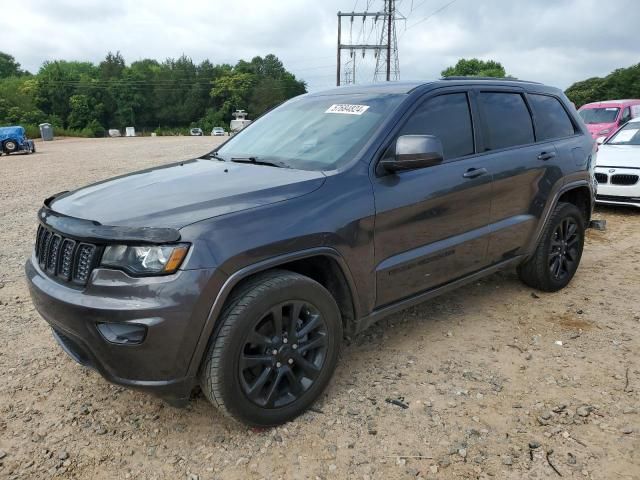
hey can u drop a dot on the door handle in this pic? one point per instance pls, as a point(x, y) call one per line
point(546, 155)
point(474, 172)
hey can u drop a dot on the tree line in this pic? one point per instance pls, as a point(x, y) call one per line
point(86, 99)
point(82, 98)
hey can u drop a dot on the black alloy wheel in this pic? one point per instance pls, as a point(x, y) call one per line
point(283, 354)
point(564, 249)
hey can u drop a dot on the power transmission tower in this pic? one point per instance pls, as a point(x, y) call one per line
point(387, 62)
point(388, 46)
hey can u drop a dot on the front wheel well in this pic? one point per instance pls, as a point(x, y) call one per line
point(327, 272)
point(581, 198)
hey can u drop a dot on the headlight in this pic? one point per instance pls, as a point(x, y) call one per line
point(145, 260)
point(604, 132)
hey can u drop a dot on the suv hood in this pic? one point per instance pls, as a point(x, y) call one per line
point(183, 193)
point(618, 156)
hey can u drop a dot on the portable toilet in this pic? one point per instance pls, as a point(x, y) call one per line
point(130, 132)
point(46, 131)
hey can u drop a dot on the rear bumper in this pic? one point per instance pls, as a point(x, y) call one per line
point(172, 309)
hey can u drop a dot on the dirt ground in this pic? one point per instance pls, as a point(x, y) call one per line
point(489, 390)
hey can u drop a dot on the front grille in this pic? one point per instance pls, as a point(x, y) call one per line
point(624, 179)
point(65, 258)
point(602, 177)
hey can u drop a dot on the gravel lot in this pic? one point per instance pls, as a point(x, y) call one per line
point(488, 389)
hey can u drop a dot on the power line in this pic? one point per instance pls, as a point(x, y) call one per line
point(431, 14)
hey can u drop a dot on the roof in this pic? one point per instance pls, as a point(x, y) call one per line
point(606, 103)
point(7, 132)
point(406, 87)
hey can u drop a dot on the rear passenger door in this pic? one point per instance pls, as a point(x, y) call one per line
point(431, 223)
point(525, 171)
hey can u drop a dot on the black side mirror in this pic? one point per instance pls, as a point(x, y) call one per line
point(415, 151)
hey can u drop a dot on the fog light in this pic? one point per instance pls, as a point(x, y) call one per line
point(123, 333)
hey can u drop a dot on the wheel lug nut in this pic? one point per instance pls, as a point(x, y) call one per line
point(278, 364)
point(284, 340)
point(274, 352)
point(291, 361)
point(294, 346)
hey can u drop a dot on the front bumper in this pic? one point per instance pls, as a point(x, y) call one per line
point(172, 308)
point(614, 194)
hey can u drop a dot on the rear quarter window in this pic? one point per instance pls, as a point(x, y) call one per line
point(507, 122)
point(552, 120)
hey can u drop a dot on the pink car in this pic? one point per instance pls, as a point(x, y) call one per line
point(604, 118)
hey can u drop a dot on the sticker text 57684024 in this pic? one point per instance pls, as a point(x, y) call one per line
point(347, 109)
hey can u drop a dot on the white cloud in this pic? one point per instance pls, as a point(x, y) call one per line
point(553, 41)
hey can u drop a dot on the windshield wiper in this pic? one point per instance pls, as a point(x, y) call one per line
point(215, 156)
point(257, 161)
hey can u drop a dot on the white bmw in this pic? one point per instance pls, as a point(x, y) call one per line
point(618, 167)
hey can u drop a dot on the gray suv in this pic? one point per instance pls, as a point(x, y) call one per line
point(241, 271)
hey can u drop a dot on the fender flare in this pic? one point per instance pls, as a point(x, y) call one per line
point(551, 205)
point(212, 324)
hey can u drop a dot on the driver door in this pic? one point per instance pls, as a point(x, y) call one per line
point(431, 223)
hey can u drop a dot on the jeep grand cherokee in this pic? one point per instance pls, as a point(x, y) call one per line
point(241, 271)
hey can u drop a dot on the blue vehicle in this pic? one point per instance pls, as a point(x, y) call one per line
point(14, 139)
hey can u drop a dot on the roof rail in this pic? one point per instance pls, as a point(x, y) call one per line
point(471, 77)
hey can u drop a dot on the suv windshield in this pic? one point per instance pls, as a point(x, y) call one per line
point(313, 132)
point(627, 135)
point(599, 115)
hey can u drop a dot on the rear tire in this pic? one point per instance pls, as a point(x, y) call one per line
point(558, 254)
point(276, 350)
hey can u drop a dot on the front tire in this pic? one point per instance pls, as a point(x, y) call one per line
point(558, 254)
point(276, 350)
point(10, 146)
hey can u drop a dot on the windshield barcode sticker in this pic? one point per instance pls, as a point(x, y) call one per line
point(347, 109)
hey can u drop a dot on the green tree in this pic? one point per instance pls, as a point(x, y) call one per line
point(474, 67)
point(8, 66)
point(81, 113)
point(621, 83)
point(175, 93)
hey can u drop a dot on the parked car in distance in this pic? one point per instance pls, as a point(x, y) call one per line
point(14, 139)
point(618, 167)
point(241, 271)
point(218, 132)
point(604, 118)
point(196, 132)
point(114, 133)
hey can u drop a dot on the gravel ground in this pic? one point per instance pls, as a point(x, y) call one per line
point(480, 383)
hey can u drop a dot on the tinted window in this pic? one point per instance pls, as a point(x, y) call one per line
point(507, 120)
point(552, 120)
point(626, 115)
point(448, 118)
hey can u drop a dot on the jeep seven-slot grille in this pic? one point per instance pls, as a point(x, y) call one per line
point(624, 179)
point(65, 258)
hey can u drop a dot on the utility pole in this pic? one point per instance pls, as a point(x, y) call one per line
point(387, 43)
point(389, 5)
point(387, 59)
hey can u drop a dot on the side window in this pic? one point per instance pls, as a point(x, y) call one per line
point(448, 118)
point(552, 120)
point(626, 116)
point(507, 120)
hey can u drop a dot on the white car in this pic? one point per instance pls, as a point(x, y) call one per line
point(218, 132)
point(618, 167)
